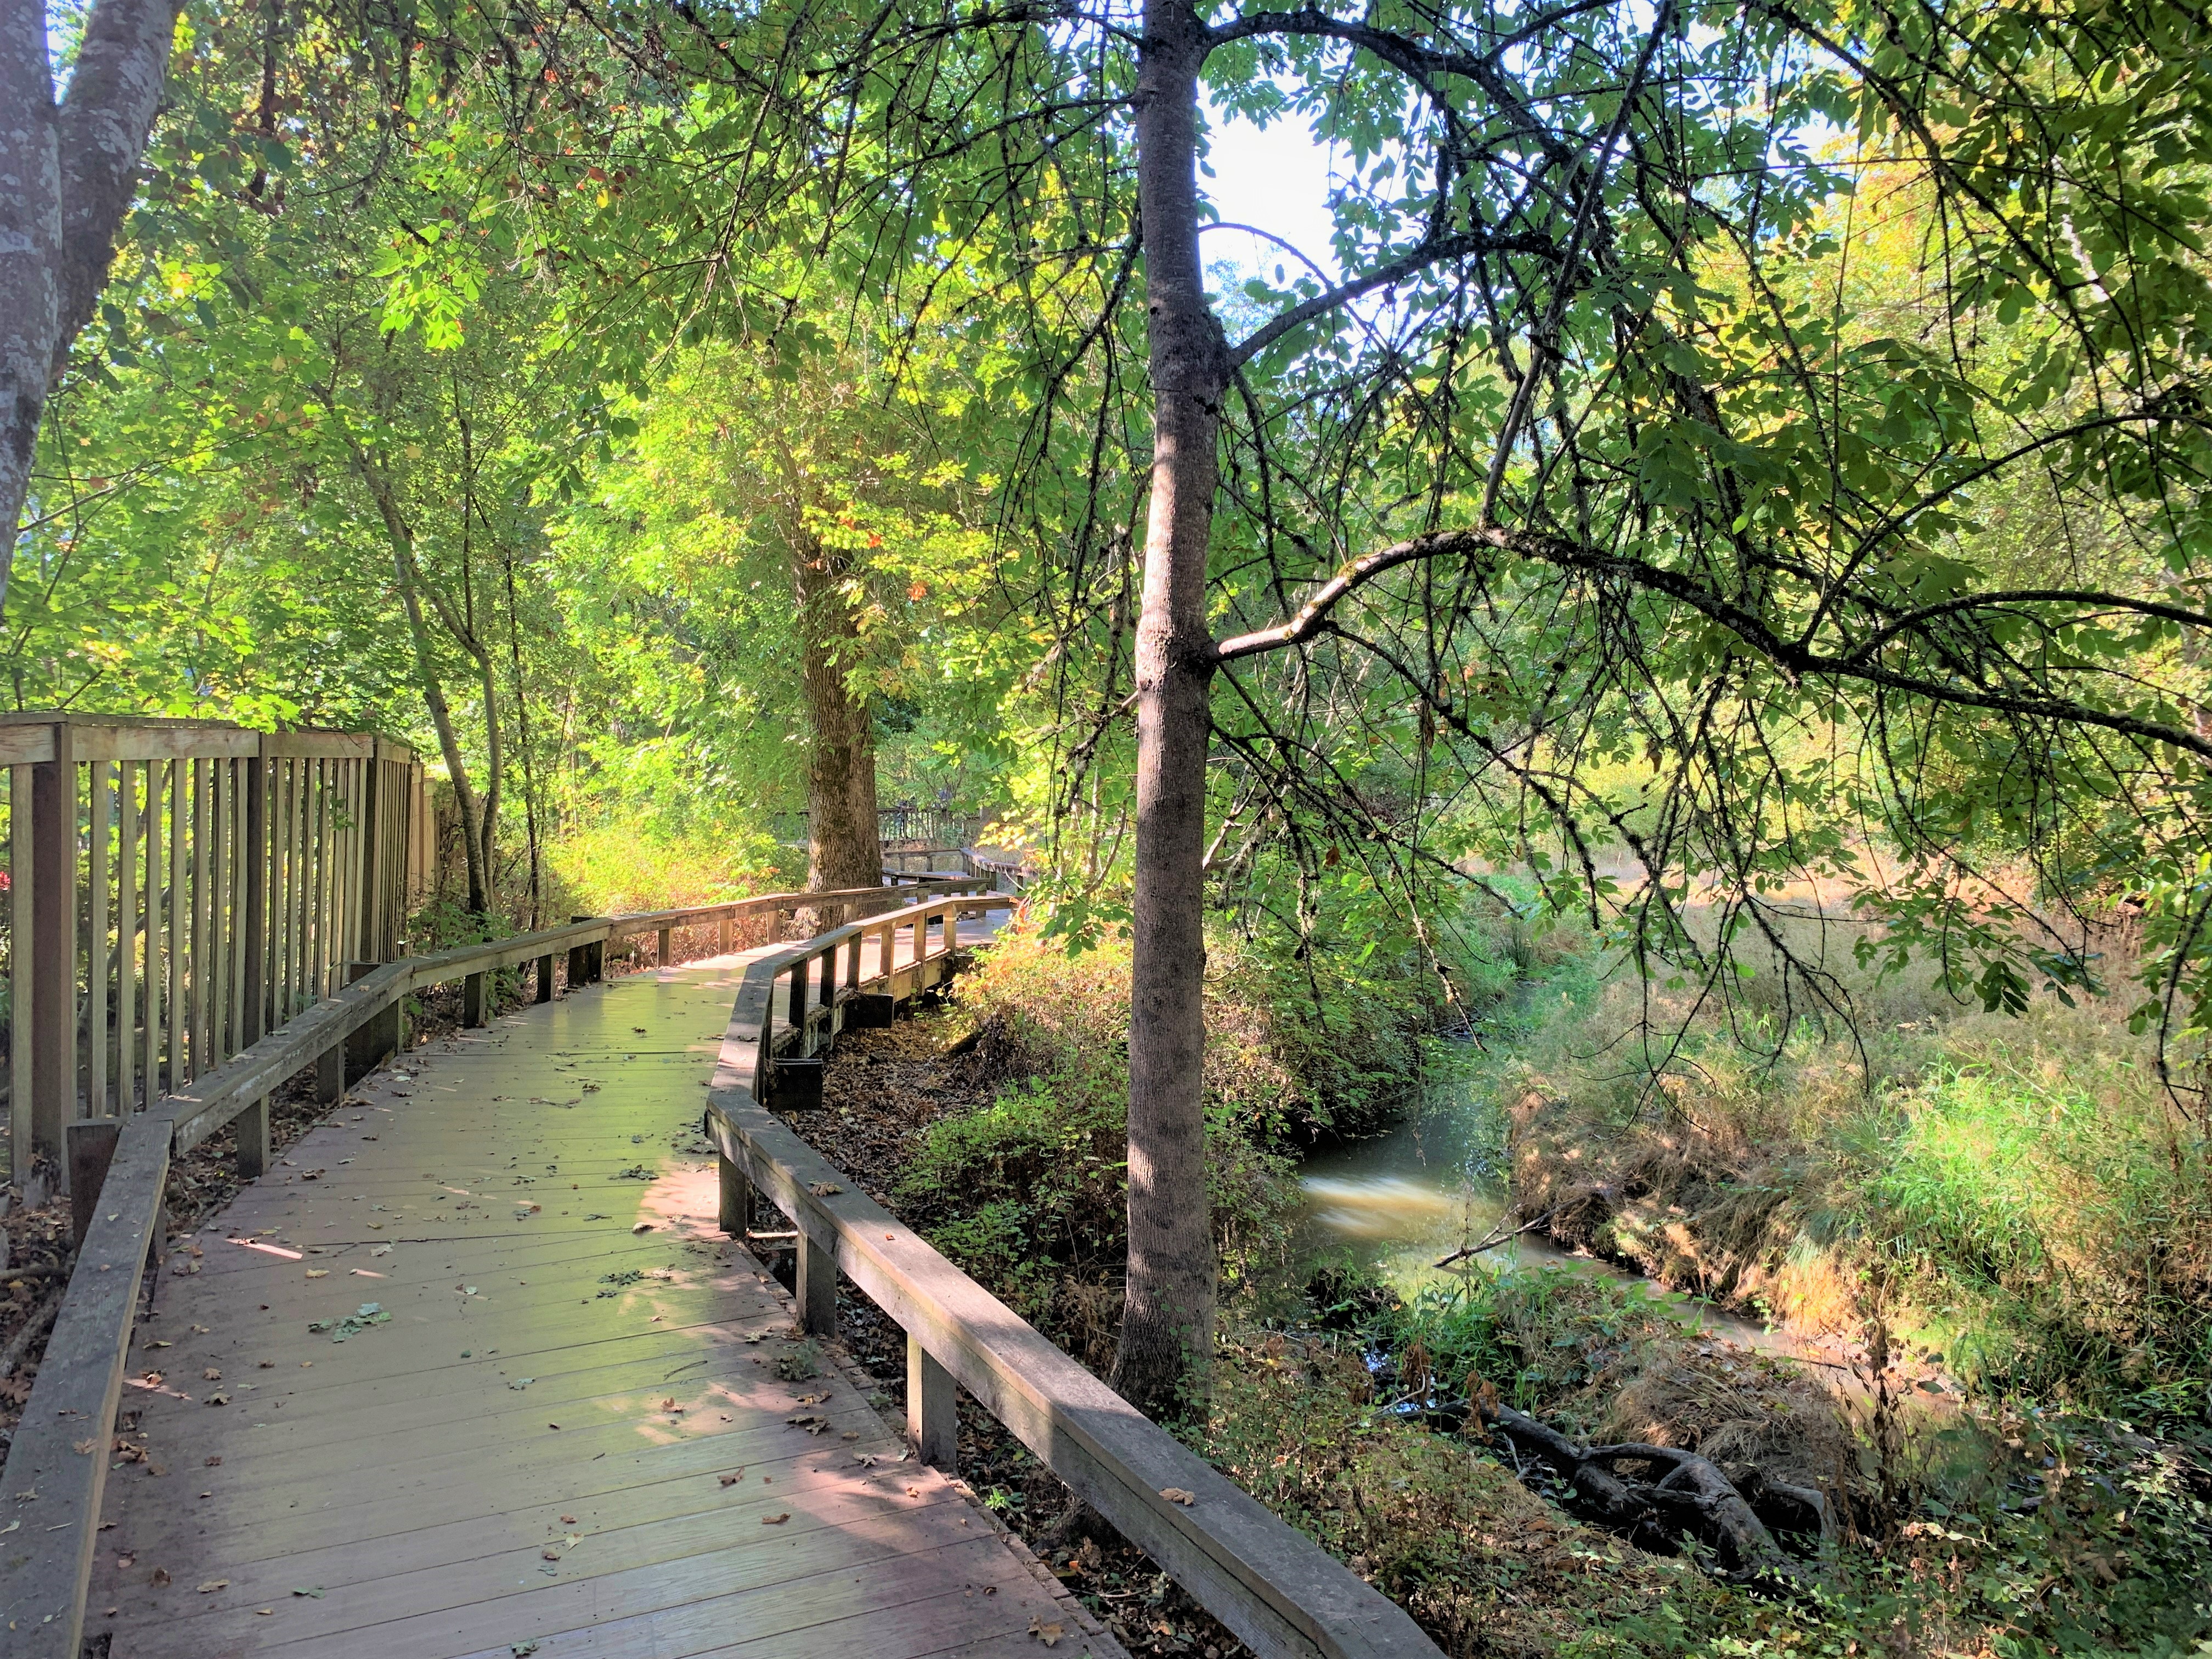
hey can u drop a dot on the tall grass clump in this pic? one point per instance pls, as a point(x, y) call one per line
point(2014, 1191)
point(2046, 1208)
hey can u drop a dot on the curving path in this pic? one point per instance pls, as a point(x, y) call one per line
point(577, 1421)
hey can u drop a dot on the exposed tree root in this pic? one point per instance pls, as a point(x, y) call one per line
point(1692, 1495)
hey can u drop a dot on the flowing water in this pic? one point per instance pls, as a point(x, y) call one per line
point(1397, 1203)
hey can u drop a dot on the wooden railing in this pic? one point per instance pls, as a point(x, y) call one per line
point(178, 888)
point(1007, 875)
point(1273, 1587)
point(57, 1464)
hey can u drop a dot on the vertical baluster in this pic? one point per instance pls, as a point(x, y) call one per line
point(311, 863)
point(102, 787)
point(42, 1118)
point(151, 1048)
point(221, 1044)
point(254, 844)
point(326, 888)
point(280, 896)
point(203, 917)
point(298, 884)
point(179, 934)
point(20, 986)
point(242, 773)
point(126, 943)
point(341, 864)
point(356, 854)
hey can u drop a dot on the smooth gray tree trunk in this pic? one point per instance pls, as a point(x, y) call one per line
point(67, 172)
point(1163, 1357)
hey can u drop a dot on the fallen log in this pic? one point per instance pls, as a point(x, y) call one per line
point(1693, 1496)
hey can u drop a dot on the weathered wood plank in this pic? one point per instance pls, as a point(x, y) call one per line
point(58, 1463)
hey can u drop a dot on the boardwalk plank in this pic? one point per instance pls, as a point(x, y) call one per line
point(403, 1474)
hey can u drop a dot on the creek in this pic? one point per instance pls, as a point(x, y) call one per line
point(1395, 1203)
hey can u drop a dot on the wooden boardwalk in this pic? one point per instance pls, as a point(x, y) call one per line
point(576, 1421)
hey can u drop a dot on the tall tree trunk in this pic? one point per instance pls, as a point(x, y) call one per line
point(843, 846)
point(402, 538)
point(66, 178)
point(1162, 1362)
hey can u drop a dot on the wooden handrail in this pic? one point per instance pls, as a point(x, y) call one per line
point(57, 1465)
point(1273, 1587)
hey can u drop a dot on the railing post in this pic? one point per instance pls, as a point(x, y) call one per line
point(933, 1412)
point(546, 978)
point(579, 962)
point(665, 947)
point(250, 1127)
point(472, 1001)
point(722, 933)
point(374, 1041)
point(22, 983)
point(91, 1150)
point(736, 1208)
point(817, 1288)
point(52, 1098)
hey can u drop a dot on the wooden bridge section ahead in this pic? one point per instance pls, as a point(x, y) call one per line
point(579, 1415)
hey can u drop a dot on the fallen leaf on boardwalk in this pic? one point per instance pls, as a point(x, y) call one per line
point(215, 1462)
point(161, 1575)
point(152, 1383)
point(218, 1399)
point(733, 1479)
point(319, 1273)
point(1177, 1495)
point(214, 1584)
point(317, 1592)
point(551, 1555)
point(823, 1189)
point(211, 1374)
point(1048, 1634)
point(521, 1382)
point(914, 1491)
point(522, 1650)
point(85, 1448)
point(269, 1249)
point(157, 1345)
point(568, 1520)
point(365, 1272)
point(265, 1612)
point(381, 1249)
point(775, 1520)
point(642, 1227)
